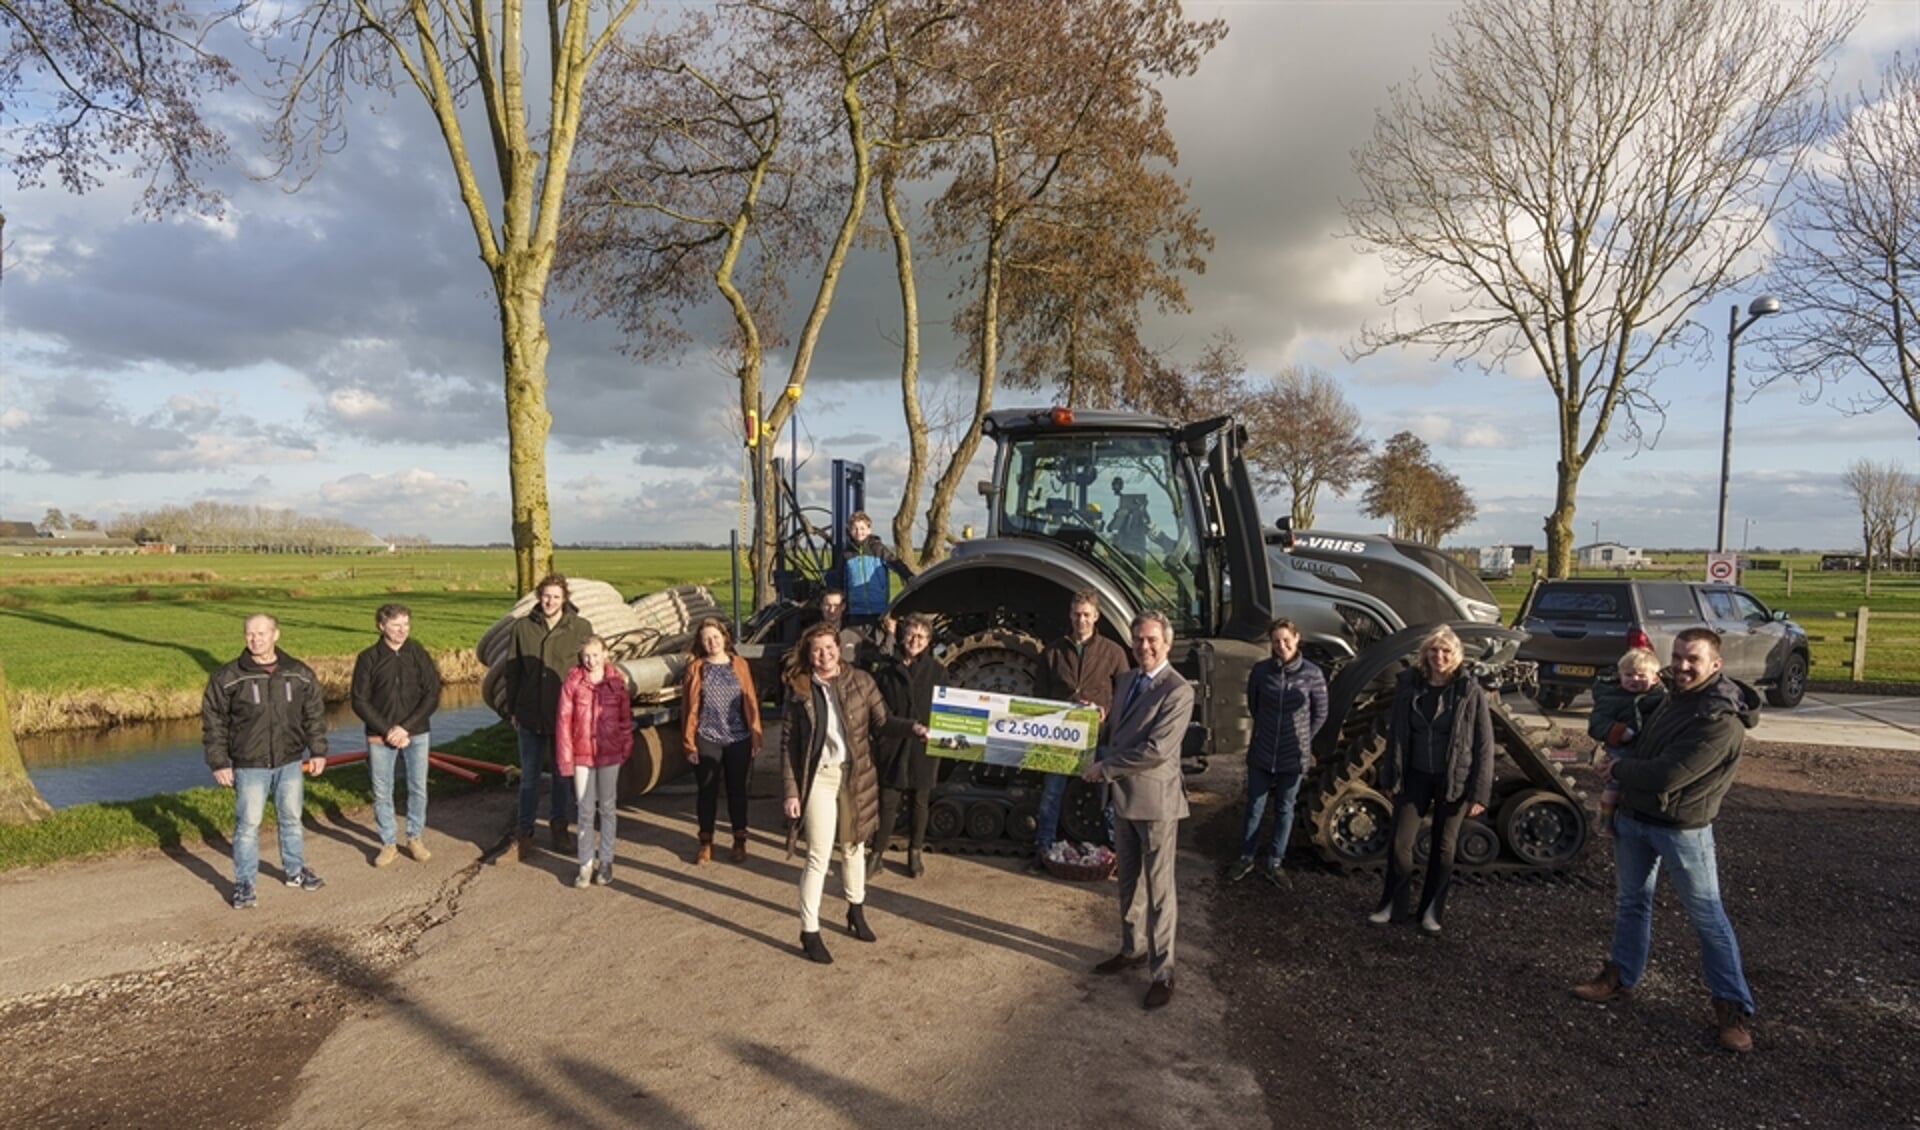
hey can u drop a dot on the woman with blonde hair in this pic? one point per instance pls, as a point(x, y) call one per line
point(1438, 763)
point(592, 738)
point(720, 712)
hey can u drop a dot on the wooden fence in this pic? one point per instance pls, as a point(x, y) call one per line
point(1857, 652)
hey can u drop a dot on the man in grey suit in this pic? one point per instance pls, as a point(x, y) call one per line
point(1140, 758)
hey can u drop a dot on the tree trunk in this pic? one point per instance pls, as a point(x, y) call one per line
point(909, 365)
point(523, 335)
point(1559, 522)
point(940, 508)
point(20, 801)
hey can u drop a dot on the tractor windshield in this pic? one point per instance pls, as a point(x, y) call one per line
point(1121, 501)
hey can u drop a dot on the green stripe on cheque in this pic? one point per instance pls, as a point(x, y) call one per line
point(1012, 730)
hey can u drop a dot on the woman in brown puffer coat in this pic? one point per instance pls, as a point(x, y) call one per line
point(833, 716)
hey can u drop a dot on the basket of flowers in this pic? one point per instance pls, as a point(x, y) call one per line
point(1079, 863)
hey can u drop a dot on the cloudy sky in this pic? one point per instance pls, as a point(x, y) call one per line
point(333, 349)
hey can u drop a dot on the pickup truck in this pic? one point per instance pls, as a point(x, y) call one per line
point(1577, 629)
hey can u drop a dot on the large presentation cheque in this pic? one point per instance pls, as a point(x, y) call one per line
point(1003, 729)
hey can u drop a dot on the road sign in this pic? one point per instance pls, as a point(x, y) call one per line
point(1723, 567)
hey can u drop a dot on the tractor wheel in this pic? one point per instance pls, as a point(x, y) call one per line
point(1541, 829)
point(1478, 845)
point(1354, 828)
point(998, 660)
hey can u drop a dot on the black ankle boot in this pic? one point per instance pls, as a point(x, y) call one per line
point(816, 949)
point(857, 923)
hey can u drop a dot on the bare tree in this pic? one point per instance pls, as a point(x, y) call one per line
point(1425, 501)
point(1850, 278)
point(1885, 494)
point(1061, 107)
point(685, 198)
point(87, 86)
point(451, 53)
point(1303, 436)
point(94, 85)
point(715, 175)
point(1576, 179)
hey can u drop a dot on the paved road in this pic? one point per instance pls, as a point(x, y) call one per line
point(1847, 720)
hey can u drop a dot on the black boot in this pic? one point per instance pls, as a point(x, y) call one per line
point(857, 923)
point(816, 949)
point(915, 868)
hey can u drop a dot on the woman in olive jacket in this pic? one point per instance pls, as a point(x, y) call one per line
point(1439, 762)
point(906, 682)
point(833, 715)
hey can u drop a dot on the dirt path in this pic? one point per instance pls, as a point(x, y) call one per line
point(459, 993)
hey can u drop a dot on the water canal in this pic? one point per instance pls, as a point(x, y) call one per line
point(129, 762)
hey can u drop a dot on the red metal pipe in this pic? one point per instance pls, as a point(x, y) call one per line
point(444, 767)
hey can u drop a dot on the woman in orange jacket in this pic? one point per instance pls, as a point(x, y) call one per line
point(721, 715)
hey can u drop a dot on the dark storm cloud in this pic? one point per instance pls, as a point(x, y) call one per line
point(1266, 131)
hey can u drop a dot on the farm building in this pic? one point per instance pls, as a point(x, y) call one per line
point(1610, 555)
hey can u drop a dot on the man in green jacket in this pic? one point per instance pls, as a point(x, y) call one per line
point(545, 643)
point(1672, 780)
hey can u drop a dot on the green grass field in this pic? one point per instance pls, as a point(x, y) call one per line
point(164, 622)
point(92, 639)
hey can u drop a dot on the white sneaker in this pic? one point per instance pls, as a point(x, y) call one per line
point(584, 879)
point(1382, 916)
point(1429, 924)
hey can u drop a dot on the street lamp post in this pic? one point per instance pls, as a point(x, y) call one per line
point(1757, 309)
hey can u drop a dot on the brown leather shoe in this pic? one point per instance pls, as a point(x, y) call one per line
point(1731, 1019)
point(1158, 994)
point(1603, 988)
point(705, 854)
point(1120, 961)
point(739, 852)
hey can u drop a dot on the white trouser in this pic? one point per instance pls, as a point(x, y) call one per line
point(817, 824)
point(594, 790)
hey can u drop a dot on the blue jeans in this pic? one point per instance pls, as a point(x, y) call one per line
point(380, 758)
point(1047, 820)
point(250, 788)
point(1283, 788)
point(1639, 848)
point(536, 754)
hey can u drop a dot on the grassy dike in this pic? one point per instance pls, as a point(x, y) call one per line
point(201, 814)
point(100, 641)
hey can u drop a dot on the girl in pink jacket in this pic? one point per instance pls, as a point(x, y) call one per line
point(593, 737)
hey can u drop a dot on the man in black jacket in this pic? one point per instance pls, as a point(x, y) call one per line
point(396, 689)
point(1672, 780)
point(259, 715)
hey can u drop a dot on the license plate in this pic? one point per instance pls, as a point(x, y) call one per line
point(1573, 670)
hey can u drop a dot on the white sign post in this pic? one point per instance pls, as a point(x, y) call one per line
point(1723, 568)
